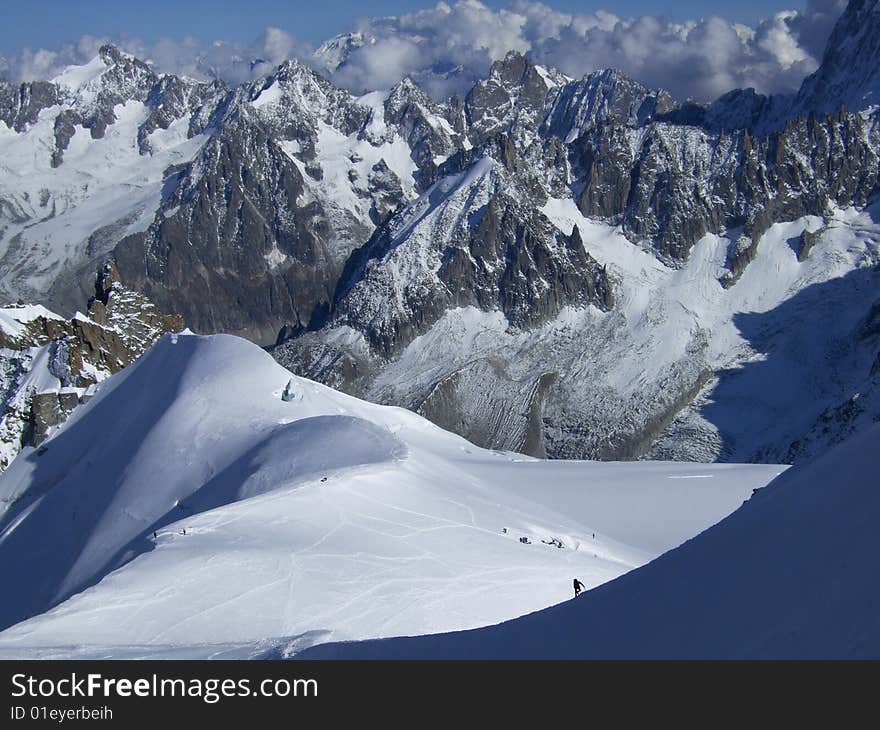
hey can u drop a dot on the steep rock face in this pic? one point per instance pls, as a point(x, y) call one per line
point(50, 409)
point(600, 98)
point(848, 75)
point(511, 100)
point(48, 365)
point(672, 184)
point(292, 174)
point(172, 98)
point(69, 190)
point(475, 241)
point(471, 240)
point(252, 236)
point(297, 100)
point(424, 125)
point(89, 100)
point(21, 104)
point(734, 175)
point(135, 318)
point(226, 250)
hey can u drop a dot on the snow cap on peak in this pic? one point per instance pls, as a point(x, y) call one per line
point(334, 52)
point(293, 69)
point(111, 54)
point(513, 68)
point(406, 84)
point(407, 90)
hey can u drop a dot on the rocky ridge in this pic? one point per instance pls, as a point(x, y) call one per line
point(48, 365)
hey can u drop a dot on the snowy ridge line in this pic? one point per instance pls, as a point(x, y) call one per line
point(313, 517)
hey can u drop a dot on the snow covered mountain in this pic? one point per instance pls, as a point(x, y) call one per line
point(681, 367)
point(848, 75)
point(546, 267)
point(83, 162)
point(235, 510)
point(788, 575)
point(235, 207)
point(682, 247)
point(572, 268)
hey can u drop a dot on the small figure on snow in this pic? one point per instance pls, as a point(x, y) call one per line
point(289, 393)
point(578, 587)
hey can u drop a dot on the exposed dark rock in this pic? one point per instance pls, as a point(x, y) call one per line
point(740, 254)
point(65, 128)
point(600, 98)
point(21, 104)
point(848, 75)
point(172, 98)
point(49, 410)
point(509, 259)
point(386, 192)
point(250, 237)
point(808, 239)
point(120, 326)
point(681, 182)
point(414, 113)
point(211, 259)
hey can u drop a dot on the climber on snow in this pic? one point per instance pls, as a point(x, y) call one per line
point(578, 587)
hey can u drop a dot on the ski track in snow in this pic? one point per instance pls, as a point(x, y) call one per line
point(759, 584)
point(303, 524)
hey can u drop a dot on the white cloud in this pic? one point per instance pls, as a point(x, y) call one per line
point(449, 45)
point(188, 56)
point(382, 64)
point(702, 58)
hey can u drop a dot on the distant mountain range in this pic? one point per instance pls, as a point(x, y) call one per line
point(566, 267)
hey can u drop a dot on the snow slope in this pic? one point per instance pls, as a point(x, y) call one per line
point(786, 328)
point(105, 186)
point(791, 574)
point(281, 523)
point(745, 355)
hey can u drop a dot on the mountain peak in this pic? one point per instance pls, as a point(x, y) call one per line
point(111, 54)
point(600, 96)
point(514, 68)
point(292, 68)
point(334, 52)
point(407, 90)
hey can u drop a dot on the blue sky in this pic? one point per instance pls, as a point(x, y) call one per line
point(50, 23)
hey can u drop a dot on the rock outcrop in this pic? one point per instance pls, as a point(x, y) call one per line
point(49, 365)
